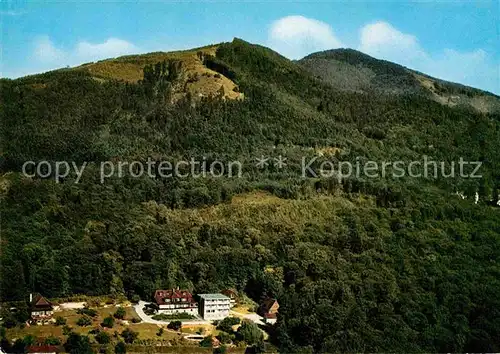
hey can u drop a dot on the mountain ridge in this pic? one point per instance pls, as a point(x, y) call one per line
point(349, 69)
point(358, 66)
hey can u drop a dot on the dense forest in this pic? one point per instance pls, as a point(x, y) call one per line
point(357, 264)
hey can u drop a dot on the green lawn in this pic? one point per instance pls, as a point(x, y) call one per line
point(146, 331)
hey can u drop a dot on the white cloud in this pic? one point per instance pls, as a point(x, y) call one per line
point(297, 36)
point(46, 51)
point(46, 55)
point(475, 68)
point(110, 48)
point(382, 40)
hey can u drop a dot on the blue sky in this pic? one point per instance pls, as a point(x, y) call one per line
point(453, 40)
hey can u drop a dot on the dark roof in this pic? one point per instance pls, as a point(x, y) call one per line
point(173, 295)
point(266, 305)
point(40, 302)
point(230, 292)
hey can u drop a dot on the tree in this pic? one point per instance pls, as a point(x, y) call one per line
point(84, 321)
point(103, 337)
point(120, 348)
point(120, 313)
point(129, 336)
point(220, 350)
point(250, 333)
point(227, 323)
point(19, 346)
point(9, 321)
point(160, 332)
point(135, 299)
point(77, 344)
point(175, 325)
point(224, 338)
point(206, 342)
point(108, 322)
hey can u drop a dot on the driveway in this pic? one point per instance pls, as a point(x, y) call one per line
point(250, 316)
point(147, 319)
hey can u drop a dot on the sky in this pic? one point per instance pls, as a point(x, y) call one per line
point(456, 40)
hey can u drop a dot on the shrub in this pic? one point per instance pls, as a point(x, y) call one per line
point(120, 348)
point(77, 344)
point(206, 342)
point(103, 338)
point(224, 337)
point(136, 320)
point(87, 311)
point(175, 316)
point(52, 341)
point(84, 321)
point(135, 299)
point(221, 350)
point(60, 321)
point(175, 325)
point(66, 330)
point(120, 313)
point(29, 340)
point(108, 322)
point(160, 332)
point(129, 336)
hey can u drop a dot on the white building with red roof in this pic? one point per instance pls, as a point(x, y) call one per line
point(175, 301)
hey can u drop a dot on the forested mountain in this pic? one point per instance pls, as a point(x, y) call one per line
point(350, 70)
point(357, 264)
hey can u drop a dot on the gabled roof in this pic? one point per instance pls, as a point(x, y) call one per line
point(172, 295)
point(230, 292)
point(40, 302)
point(266, 305)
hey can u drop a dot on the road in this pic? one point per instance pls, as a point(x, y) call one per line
point(147, 319)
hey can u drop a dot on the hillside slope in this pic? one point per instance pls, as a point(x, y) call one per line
point(360, 264)
point(348, 69)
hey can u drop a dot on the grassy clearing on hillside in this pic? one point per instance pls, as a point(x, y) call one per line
point(258, 209)
point(195, 79)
